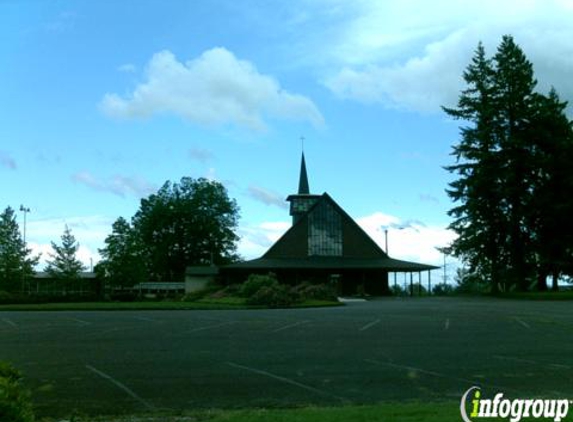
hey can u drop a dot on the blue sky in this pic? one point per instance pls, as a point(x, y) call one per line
point(102, 102)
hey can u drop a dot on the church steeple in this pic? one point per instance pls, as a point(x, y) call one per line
point(303, 179)
point(301, 202)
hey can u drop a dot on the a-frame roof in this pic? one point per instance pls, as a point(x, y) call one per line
point(358, 250)
point(350, 227)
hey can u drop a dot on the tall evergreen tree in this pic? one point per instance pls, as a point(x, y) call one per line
point(479, 219)
point(514, 104)
point(64, 265)
point(16, 262)
point(552, 205)
point(512, 213)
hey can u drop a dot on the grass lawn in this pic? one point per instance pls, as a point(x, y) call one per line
point(386, 412)
point(202, 304)
point(410, 412)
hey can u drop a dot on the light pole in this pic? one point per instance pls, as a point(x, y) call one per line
point(24, 210)
point(386, 234)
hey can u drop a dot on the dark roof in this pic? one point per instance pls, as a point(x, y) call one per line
point(331, 263)
point(303, 188)
point(202, 270)
point(360, 251)
point(82, 274)
point(357, 243)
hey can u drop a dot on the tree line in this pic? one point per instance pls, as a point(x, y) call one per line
point(512, 197)
point(512, 192)
point(17, 263)
point(192, 222)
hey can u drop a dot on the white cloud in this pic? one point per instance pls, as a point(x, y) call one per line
point(411, 54)
point(267, 197)
point(255, 240)
point(422, 83)
point(415, 242)
point(118, 184)
point(214, 89)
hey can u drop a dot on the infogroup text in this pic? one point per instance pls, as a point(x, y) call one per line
point(474, 406)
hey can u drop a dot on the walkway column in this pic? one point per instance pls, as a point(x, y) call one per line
point(411, 284)
point(429, 282)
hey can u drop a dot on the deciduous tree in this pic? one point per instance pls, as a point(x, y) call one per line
point(192, 222)
point(123, 263)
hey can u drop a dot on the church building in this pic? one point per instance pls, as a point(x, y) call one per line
point(324, 245)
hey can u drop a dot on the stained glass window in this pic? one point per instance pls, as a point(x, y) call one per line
point(324, 231)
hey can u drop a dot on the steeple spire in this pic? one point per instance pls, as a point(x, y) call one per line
point(303, 188)
point(302, 201)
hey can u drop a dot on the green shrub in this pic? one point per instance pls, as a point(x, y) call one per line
point(15, 405)
point(470, 283)
point(307, 291)
point(208, 290)
point(274, 296)
point(255, 282)
point(398, 290)
point(419, 289)
point(443, 289)
point(232, 291)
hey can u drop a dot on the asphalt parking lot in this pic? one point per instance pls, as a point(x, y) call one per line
point(385, 350)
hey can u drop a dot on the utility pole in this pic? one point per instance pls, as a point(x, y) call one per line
point(445, 276)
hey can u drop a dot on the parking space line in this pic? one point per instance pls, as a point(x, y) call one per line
point(120, 385)
point(286, 327)
point(370, 324)
point(144, 319)
point(288, 381)
point(80, 321)
point(209, 327)
point(110, 330)
point(522, 322)
point(10, 322)
point(447, 324)
point(533, 362)
point(435, 374)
